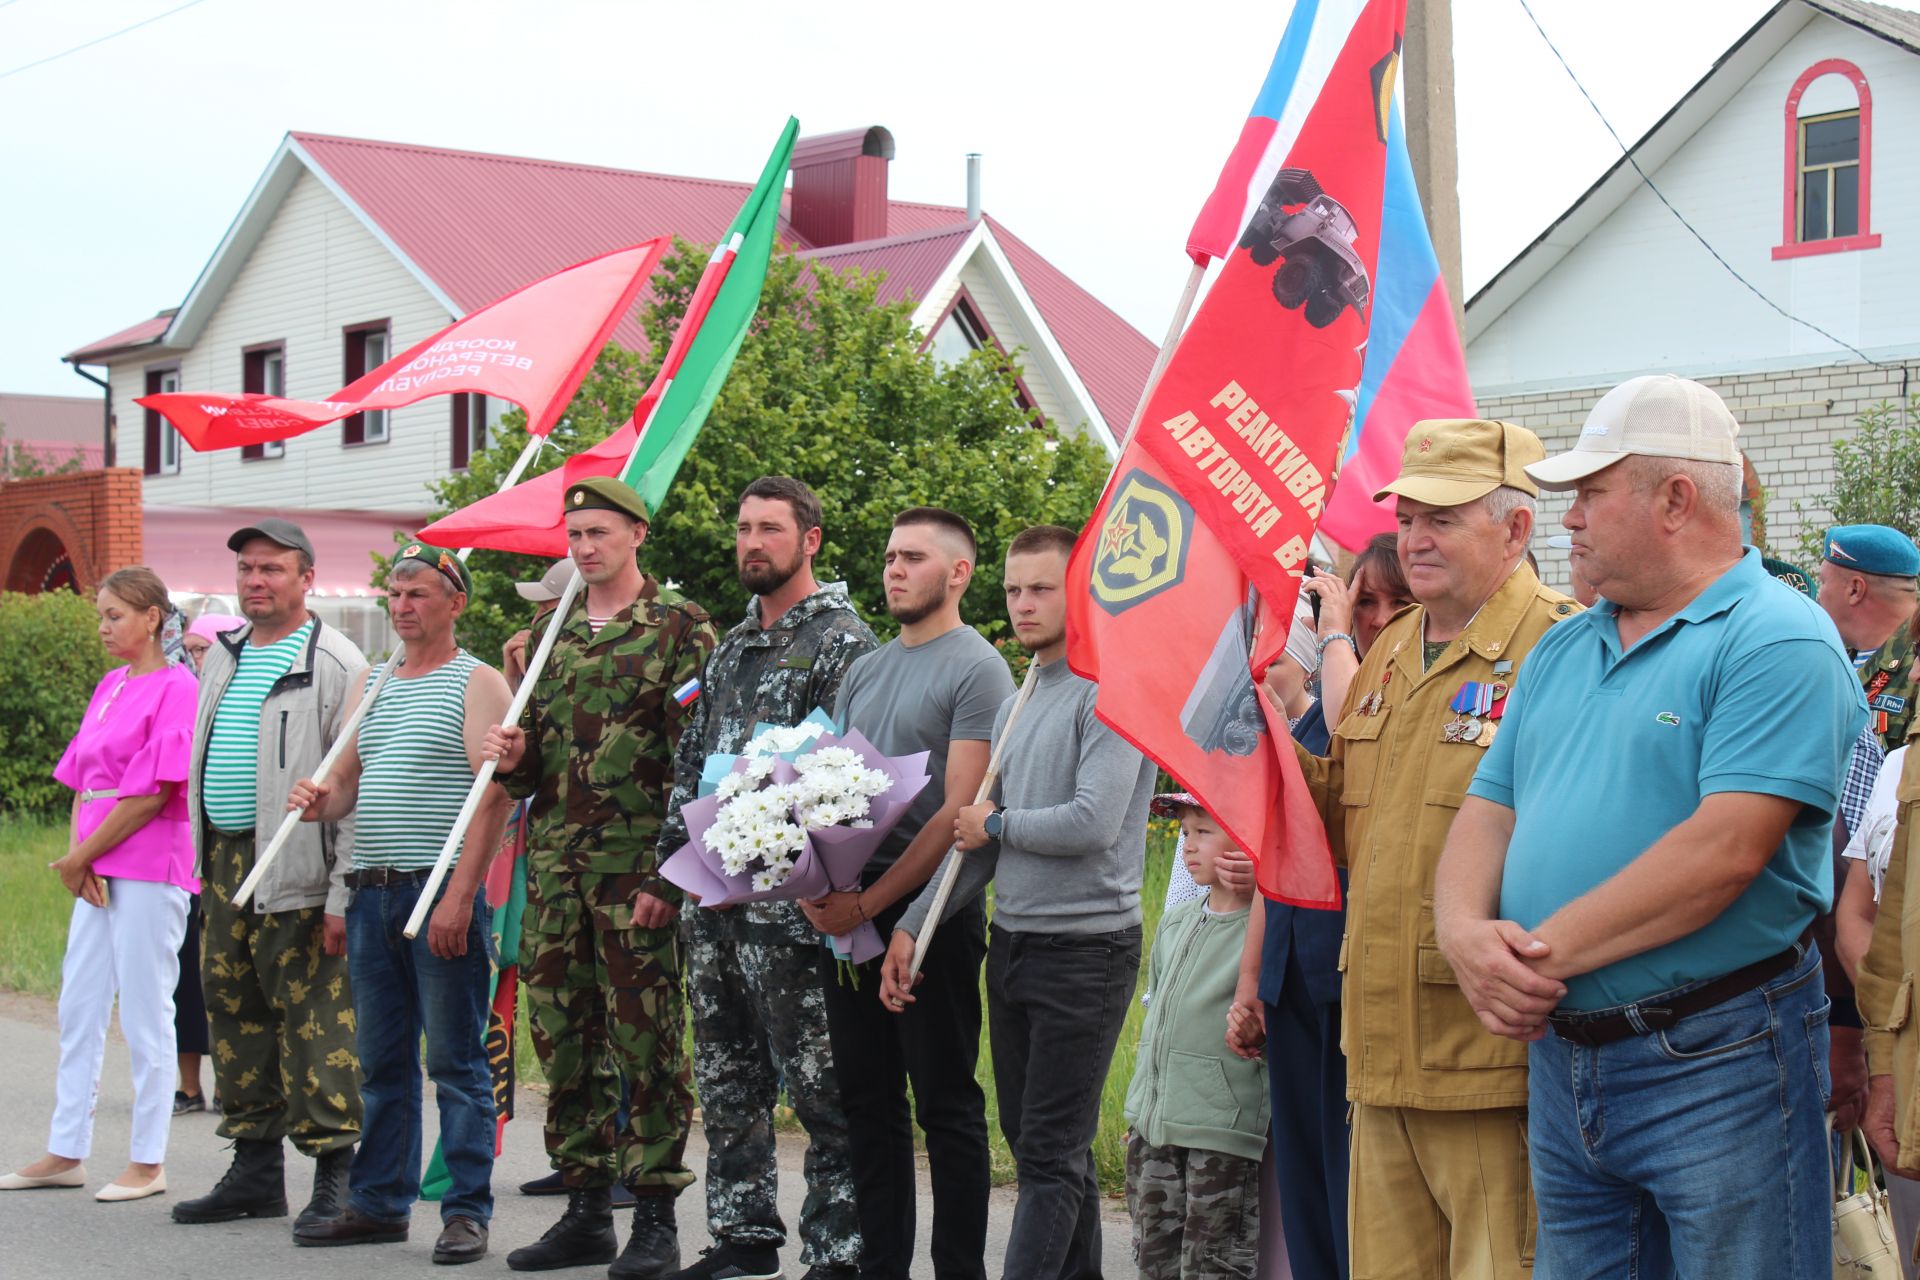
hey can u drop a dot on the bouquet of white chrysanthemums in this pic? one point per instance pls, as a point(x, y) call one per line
point(797, 813)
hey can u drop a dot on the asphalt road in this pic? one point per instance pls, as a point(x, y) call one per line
point(66, 1233)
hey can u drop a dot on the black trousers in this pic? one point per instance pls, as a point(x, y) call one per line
point(934, 1044)
point(1056, 1003)
point(189, 1004)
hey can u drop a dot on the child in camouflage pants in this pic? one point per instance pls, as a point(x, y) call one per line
point(1198, 1114)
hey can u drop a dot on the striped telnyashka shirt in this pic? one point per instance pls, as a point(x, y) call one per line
point(414, 774)
point(233, 745)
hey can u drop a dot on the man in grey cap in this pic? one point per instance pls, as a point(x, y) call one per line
point(1649, 835)
point(543, 593)
point(273, 697)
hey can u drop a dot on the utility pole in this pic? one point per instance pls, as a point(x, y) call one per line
point(1426, 63)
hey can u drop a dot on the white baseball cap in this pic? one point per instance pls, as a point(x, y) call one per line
point(1658, 416)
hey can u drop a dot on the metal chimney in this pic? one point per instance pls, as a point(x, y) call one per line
point(973, 186)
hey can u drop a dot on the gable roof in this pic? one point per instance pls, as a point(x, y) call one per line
point(471, 227)
point(1730, 71)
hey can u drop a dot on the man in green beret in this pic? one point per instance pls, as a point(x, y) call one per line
point(1867, 587)
point(405, 776)
point(594, 751)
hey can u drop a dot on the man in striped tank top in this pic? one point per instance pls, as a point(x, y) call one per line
point(405, 776)
point(273, 697)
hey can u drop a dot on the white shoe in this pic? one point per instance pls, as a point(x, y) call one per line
point(74, 1177)
point(119, 1191)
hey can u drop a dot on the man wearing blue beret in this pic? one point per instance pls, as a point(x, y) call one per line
point(1867, 587)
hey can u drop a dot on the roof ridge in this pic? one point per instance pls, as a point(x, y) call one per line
point(501, 158)
point(887, 242)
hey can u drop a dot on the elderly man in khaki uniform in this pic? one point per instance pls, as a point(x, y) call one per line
point(1438, 1186)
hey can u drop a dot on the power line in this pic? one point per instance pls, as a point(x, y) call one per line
point(1680, 217)
point(111, 35)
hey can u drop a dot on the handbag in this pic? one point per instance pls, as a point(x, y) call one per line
point(1862, 1220)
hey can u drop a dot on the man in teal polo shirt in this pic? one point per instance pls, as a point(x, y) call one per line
point(1630, 882)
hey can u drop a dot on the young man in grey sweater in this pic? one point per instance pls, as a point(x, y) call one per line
point(1064, 844)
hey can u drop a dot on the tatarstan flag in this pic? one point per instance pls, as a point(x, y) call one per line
point(648, 450)
point(1181, 587)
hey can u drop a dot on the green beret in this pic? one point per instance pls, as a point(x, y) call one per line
point(445, 561)
point(605, 493)
point(1872, 548)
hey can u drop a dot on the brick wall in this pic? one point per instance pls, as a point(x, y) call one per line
point(1789, 419)
point(92, 517)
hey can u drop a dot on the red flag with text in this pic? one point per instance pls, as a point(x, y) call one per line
point(531, 347)
point(1183, 583)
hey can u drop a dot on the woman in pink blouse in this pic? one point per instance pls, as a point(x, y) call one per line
point(129, 866)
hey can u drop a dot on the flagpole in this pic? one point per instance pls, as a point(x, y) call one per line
point(1181, 311)
point(535, 665)
point(950, 866)
point(352, 726)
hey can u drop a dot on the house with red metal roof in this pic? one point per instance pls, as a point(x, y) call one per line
point(350, 250)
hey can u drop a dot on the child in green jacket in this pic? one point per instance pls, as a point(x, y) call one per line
point(1198, 1113)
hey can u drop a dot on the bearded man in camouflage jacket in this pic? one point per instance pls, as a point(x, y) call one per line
point(594, 750)
point(755, 973)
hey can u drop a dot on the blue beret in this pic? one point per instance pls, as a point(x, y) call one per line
point(1872, 548)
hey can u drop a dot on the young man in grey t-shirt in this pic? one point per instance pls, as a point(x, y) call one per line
point(936, 688)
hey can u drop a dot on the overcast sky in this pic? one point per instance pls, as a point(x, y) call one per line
point(1103, 128)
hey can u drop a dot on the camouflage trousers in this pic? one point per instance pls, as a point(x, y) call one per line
point(760, 1021)
point(280, 1014)
point(603, 1000)
point(1196, 1214)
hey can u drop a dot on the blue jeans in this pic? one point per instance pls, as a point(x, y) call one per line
point(1055, 1005)
point(1697, 1151)
point(401, 990)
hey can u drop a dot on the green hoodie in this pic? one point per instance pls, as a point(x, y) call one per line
point(1189, 1090)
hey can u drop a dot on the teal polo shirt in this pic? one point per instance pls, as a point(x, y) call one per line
point(1601, 753)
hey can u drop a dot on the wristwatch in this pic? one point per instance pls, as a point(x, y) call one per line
point(995, 822)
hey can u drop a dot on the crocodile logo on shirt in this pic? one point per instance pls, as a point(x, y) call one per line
point(1667, 717)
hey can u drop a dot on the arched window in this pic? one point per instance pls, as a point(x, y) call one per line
point(1829, 163)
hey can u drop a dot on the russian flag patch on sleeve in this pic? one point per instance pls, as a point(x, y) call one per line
point(687, 692)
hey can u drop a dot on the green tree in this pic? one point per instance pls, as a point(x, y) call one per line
point(50, 661)
point(1876, 476)
point(830, 386)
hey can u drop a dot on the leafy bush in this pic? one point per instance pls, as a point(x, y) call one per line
point(1876, 477)
point(50, 661)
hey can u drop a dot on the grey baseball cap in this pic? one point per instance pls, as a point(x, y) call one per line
point(550, 584)
point(273, 529)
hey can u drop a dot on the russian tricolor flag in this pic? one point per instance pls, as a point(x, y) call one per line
point(687, 692)
point(1414, 365)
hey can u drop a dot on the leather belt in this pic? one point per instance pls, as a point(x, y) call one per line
point(1657, 1013)
point(381, 877)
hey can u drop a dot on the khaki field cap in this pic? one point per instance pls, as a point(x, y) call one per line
point(1449, 462)
point(1657, 416)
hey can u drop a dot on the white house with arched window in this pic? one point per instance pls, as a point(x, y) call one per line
point(1797, 159)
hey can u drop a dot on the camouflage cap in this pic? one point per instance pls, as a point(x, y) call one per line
point(605, 493)
point(446, 562)
point(1449, 462)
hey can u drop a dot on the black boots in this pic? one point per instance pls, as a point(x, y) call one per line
point(329, 1187)
point(654, 1248)
point(254, 1186)
point(584, 1236)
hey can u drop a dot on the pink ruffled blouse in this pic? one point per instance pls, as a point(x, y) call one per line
point(137, 734)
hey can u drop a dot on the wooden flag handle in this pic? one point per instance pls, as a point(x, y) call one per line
point(950, 865)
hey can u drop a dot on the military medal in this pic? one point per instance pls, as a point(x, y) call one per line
point(1375, 702)
point(1473, 705)
point(1486, 734)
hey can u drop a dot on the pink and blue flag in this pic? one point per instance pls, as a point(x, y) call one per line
point(1414, 367)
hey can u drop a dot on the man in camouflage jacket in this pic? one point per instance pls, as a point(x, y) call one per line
point(755, 972)
point(594, 750)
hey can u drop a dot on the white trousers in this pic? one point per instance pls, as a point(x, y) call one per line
point(130, 948)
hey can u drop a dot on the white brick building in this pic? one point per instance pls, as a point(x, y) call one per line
point(1796, 159)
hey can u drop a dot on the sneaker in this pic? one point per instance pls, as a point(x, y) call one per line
point(729, 1260)
point(185, 1102)
point(831, 1271)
